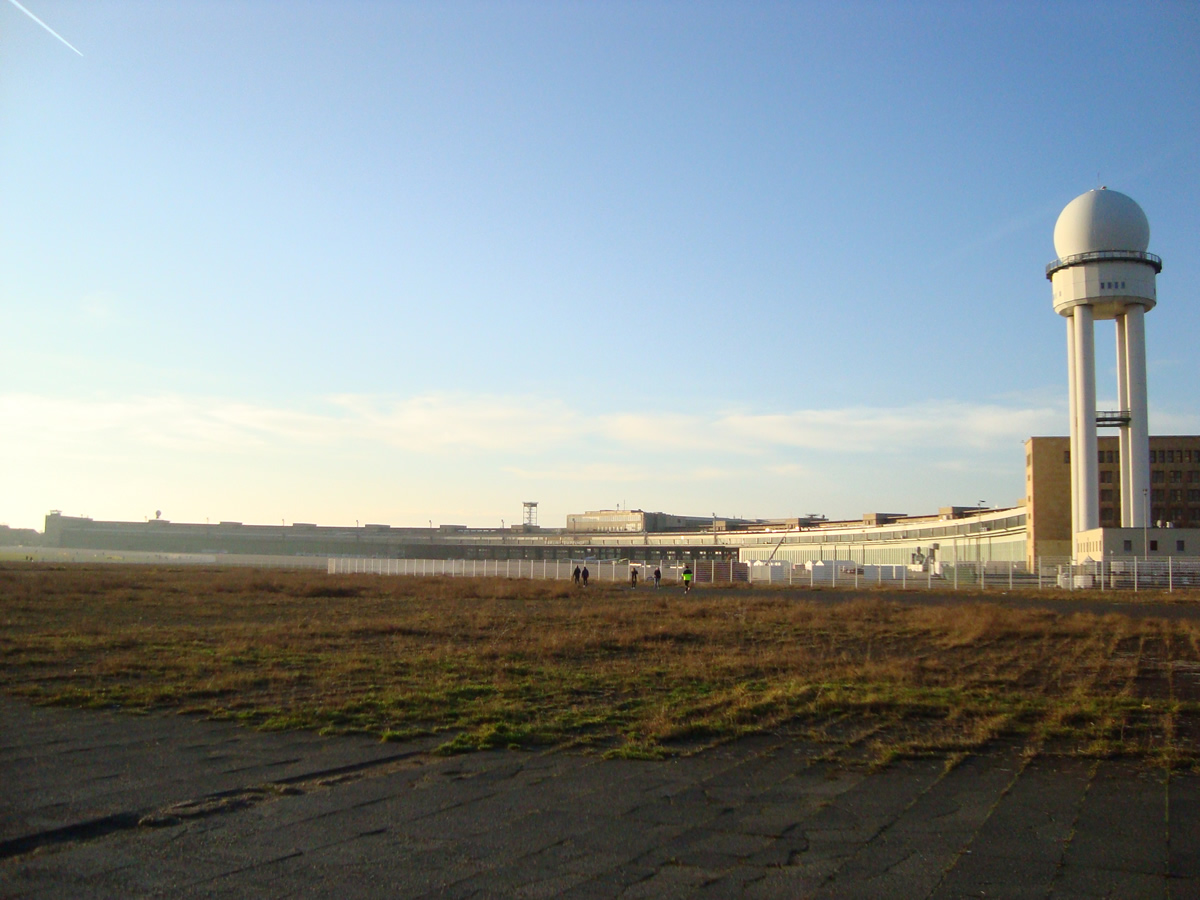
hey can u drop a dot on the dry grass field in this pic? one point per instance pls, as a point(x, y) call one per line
point(494, 662)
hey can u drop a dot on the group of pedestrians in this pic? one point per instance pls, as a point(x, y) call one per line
point(633, 577)
point(580, 577)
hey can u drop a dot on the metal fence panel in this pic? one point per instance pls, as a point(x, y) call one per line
point(1129, 574)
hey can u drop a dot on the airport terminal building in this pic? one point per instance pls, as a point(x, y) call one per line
point(953, 533)
point(1035, 530)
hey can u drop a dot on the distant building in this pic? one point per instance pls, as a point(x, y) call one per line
point(19, 537)
point(954, 534)
point(635, 521)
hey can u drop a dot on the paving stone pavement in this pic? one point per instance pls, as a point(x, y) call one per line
point(103, 804)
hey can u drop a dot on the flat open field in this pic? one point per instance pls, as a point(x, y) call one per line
point(493, 662)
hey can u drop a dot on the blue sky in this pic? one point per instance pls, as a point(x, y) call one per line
point(401, 262)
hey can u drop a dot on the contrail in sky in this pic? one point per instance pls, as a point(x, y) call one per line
point(43, 24)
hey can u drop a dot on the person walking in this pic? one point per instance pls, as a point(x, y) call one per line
point(585, 576)
point(633, 573)
point(575, 576)
point(657, 577)
point(687, 579)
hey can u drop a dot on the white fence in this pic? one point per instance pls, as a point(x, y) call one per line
point(1127, 574)
point(1133, 574)
point(848, 573)
point(706, 571)
point(542, 569)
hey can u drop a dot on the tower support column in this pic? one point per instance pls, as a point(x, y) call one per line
point(1123, 431)
point(1139, 427)
point(1074, 431)
point(1085, 464)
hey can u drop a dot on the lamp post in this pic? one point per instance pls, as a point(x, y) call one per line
point(1145, 523)
point(979, 540)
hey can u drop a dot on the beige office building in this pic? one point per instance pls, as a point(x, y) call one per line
point(1172, 500)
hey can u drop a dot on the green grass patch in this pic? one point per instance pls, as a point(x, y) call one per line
point(502, 663)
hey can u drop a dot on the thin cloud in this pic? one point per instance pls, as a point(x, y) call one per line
point(590, 473)
point(165, 422)
point(440, 424)
point(873, 430)
point(1174, 423)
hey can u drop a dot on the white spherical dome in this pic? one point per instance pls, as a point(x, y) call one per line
point(1101, 220)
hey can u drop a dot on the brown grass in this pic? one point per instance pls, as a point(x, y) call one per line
point(506, 662)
